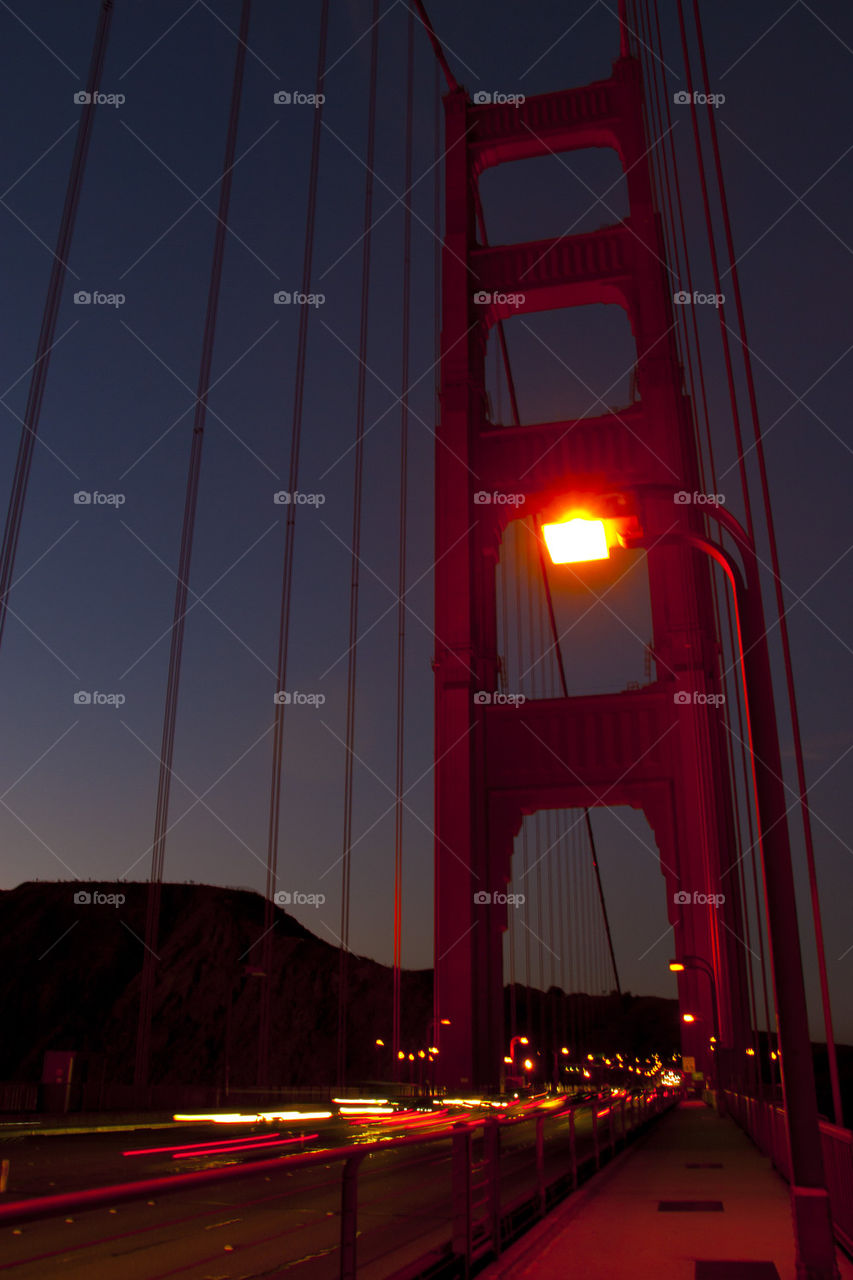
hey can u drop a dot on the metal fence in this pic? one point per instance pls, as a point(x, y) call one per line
point(472, 1186)
point(765, 1124)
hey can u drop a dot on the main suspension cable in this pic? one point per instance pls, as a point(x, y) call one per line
point(50, 315)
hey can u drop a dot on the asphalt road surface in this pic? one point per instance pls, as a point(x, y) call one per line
point(277, 1222)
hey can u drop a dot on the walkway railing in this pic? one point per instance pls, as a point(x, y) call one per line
point(432, 1204)
point(765, 1124)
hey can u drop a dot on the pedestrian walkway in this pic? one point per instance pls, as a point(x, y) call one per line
point(617, 1229)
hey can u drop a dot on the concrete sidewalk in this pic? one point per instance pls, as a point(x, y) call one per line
point(614, 1230)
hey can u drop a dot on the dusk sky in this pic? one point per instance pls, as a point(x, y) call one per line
point(94, 584)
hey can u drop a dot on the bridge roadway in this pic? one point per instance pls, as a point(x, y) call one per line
point(614, 1230)
point(259, 1226)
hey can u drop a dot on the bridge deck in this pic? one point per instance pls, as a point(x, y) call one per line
point(614, 1229)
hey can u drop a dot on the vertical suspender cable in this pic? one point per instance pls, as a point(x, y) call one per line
point(436, 320)
point(805, 810)
point(287, 564)
point(167, 747)
point(724, 331)
point(403, 529)
point(679, 228)
point(343, 979)
point(50, 315)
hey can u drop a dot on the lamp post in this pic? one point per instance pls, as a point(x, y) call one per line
point(809, 1198)
point(698, 962)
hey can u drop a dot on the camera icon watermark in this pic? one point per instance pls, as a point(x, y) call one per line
point(286, 898)
point(83, 698)
point(285, 298)
point(97, 298)
point(694, 698)
point(482, 698)
point(486, 298)
point(682, 298)
point(284, 498)
point(288, 697)
point(683, 99)
point(682, 898)
point(484, 899)
point(87, 498)
point(483, 98)
point(98, 99)
point(294, 98)
point(682, 499)
point(97, 898)
point(483, 499)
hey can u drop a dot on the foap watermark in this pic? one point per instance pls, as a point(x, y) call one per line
point(97, 298)
point(484, 499)
point(293, 698)
point(697, 699)
point(97, 898)
point(94, 498)
point(93, 698)
point(682, 298)
point(484, 98)
point(286, 498)
point(484, 899)
point(84, 99)
point(683, 499)
point(486, 298)
point(485, 699)
point(295, 98)
point(682, 98)
point(682, 898)
point(294, 298)
point(295, 898)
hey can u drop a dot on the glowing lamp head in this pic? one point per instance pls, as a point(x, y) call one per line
point(528, 1065)
point(688, 1017)
point(579, 538)
point(508, 1061)
point(523, 1040)
point(675, 966)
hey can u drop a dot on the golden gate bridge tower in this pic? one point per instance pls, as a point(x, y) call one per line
point(659, 748)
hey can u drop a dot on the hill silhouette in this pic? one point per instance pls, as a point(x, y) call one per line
point(70, 977)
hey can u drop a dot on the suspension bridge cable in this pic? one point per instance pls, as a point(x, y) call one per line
point(50, 315)
point(679, 229)
point(403, 530)
point(436, 322)
point(724, 331)
point(346, 860)
point(679, 243)
point(436, 45)
point(273, 832)
point(654, 115)
point(184, 564)
point(781, 611)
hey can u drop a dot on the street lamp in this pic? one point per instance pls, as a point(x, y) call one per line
point(702, 965)
point(809, 1197)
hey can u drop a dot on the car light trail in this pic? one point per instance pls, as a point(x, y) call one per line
point(233, 1117)
point(247, 1146)
point(226, 1144)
